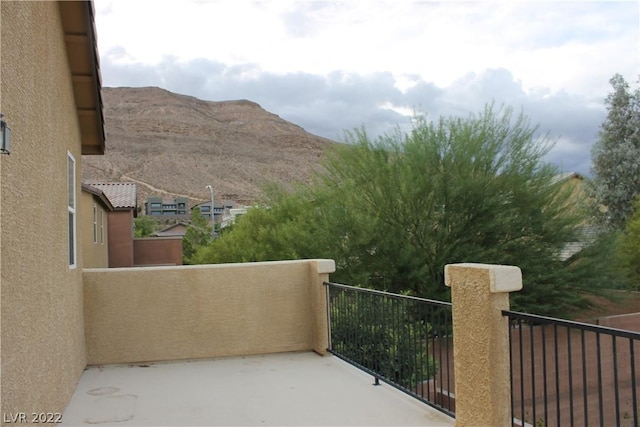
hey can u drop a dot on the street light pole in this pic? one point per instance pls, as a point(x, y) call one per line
point(213, 220)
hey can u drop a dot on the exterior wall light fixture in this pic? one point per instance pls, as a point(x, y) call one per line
point(5, 137)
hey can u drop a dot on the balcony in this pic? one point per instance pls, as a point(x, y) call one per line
point(294, 389)
point(235, 344)
point(249, 344)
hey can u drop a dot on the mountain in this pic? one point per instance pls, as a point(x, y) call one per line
point(175, 145)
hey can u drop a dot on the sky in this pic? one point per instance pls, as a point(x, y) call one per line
point(333, 66)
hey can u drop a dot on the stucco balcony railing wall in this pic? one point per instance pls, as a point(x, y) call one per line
point(148, 314)
point(190, 312)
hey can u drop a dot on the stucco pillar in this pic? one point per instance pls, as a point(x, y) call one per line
point(479, 292)
point(319, 272)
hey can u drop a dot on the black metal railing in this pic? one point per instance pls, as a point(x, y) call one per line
point(404, 341)
point(567, 373)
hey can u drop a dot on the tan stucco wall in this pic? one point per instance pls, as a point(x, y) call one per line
point(43, 352)
point(189, 312)
point(479, 293)
point(94, 254)
point(1, 405)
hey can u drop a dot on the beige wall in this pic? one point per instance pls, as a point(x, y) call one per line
point(189, 312)
point(43, 352)
point(95, 254)
point(479, 293)
point(1, 221)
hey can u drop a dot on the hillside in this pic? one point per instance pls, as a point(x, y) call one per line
point(172, 144)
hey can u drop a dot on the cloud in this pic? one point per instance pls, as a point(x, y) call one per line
point(327, 105)
point(304, 19)
point(331, 66)
point(569, 119)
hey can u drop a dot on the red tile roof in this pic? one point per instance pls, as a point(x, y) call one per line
point(122, 195)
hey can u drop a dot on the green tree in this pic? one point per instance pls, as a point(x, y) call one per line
point(281, 228)
point(144, 225)
point(393, 211)
point(463, 190)
point(198, 234)
point(615, 165)
point(629, 248)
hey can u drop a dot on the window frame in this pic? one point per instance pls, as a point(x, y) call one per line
point(72, 220)
point(95, 224)
point(101, 226)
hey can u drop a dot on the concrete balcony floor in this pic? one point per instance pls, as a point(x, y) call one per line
point(284, 389)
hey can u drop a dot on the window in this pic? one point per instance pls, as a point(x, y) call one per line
point(101, 227)
point(95, 223)
point(156, 205)
point(71, 208)
point(204, 208)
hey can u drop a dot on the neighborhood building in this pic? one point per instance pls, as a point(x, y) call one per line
point(225, 213)
point(123, 197)
point(95, 209)
point(177, 229)
point(157, 206)
point(219, 209)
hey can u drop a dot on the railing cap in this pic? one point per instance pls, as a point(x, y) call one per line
point(326, 266)
point(502, 278)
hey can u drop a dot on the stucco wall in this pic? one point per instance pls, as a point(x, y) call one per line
point(479, 293)
point(94, 254)
point(189, 312)
point(121, 238)
point(43, 352)
point(157, 251)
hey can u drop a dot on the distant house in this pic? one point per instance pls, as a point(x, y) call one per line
point(229, 218)
point(587, 233)
point(125, 250)
point(178, 229)
point(94, 210)
point(573, 181)
point(157, 206)
point(220, 211)
point(123, 197)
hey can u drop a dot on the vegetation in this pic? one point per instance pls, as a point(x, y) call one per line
point(393, 211)
point(198, 234)
point(144, 226)
point(366, 330)
point(629, 248)
point(616, 180)
point(616, 169)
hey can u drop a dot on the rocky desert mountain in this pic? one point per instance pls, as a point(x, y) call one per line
point(175, 145)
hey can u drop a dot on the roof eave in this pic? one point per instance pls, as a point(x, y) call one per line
point(80, 38)
point(99, 194)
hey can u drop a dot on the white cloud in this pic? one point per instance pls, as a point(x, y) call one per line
point(544, 44)
point(330, 66)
